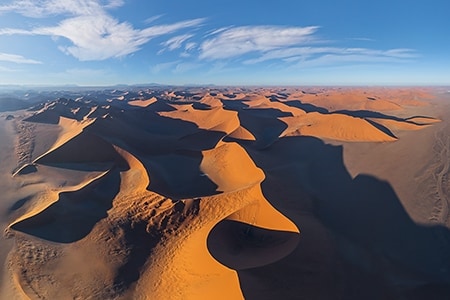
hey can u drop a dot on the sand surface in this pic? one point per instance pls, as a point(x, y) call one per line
point(227, 193)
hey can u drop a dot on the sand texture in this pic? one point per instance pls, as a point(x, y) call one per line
point(226, 193)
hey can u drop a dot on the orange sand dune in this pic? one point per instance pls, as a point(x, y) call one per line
point(362, 99)
point(227, 193)
point(142, 103)
point(216, 119)
point(335, 127)
point(235, 171)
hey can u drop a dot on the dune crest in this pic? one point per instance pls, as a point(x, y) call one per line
point(208, 194)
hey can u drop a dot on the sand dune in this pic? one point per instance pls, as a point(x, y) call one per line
point(142, 103)
point(336, 127)
point(225, 193)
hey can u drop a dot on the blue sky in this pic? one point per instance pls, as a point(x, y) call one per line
point(246, 42)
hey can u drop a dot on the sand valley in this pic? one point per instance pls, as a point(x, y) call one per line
point(225, 193)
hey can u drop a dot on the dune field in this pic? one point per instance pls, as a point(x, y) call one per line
point(226, 193)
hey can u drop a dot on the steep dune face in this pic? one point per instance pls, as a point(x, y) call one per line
point(230, 168)
point(373, 99)
point(206, 191)
point(335, 127)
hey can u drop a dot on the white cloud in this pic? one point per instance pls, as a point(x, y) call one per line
point(184, 67)
point(232, 42)
point(307, 53)
point(289, 53)
point(102, 37)
point(190, 46)
point(18, 59)
point(153, 19)
point(176, 42)
point(13, 31)
point(291, 45)
point(93, 33)
point(89, 32)
point(176, 67)
point(164, 66)
point(114, 3)
point(43, 8)
point(188, 49)
point(348, 59)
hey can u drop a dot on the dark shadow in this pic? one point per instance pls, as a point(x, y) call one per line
point(363, 114)
point(74, 215)
point(356, 242)
point(368, 114)
point(160, 105)
point(382, 128)
point(12, 103)
point(82, 149)
point(46, 117)
point(306, 106)
point(201, 106)
point(439, 291)
point(379, 252)
point(263, 124)
point(233, 104)
point(241, 246)
point(27, 169)
point(140, 240)
point(19, 203)
point(201, 140)
point(423, 117)
point(140, 244)
point(61, 107)
point(178, 175)
point(170, 150)
point(373, 114)
point(231, 96)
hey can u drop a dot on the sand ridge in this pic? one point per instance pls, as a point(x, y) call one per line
point(201, 189)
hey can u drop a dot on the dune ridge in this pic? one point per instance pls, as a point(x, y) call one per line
point(197, 189)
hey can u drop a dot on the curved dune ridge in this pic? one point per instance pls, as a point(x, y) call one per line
point(164, 187)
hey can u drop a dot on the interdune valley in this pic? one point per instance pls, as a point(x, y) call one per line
point(225, 193)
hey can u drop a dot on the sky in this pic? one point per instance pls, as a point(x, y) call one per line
point(245, 42)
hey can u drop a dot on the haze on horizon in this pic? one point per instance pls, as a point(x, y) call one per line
point(107, 42)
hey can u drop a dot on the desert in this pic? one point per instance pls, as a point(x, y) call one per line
point(166, 192)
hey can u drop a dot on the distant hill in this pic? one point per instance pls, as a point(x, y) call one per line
point(11, 103)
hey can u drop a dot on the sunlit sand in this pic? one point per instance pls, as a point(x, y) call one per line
point(227, 193)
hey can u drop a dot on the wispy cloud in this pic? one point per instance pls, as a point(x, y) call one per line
point(103, 37)
point(93, 33)
point(185, 67)
point(236, 41)
point(164, 66)
point(44, 8)
point(297, 46)
point(362, 39)
point(153, 19)
point(313, 53)
point(328, 60)
point(176, 42)
point(88, 31)
point(18, 59)
point(190, 46)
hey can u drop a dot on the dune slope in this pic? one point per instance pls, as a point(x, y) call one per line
point(217, 194)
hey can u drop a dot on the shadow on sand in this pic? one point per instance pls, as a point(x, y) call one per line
point(75, 213)
point(358, 240)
